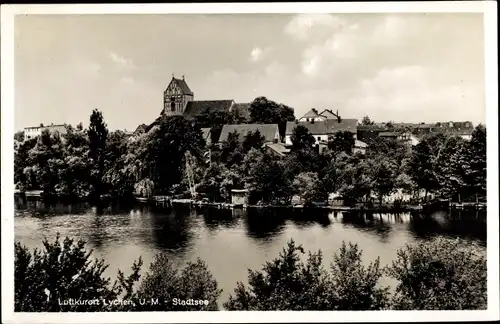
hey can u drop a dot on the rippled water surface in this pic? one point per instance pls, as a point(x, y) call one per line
point(231, 241)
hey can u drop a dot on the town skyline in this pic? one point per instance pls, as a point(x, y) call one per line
point(385, 66)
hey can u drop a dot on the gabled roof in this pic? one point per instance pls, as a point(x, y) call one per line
point(328, 114)
point(194, 108)
point(269, 131)
point(316, 128)
point(140, 129)
point(279, 148)
point(360, 144)
point(345, 125)
point(311, 114)
point(181, 83)
point(329, 126)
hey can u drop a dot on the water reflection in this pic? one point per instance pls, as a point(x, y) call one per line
point(304, 219)
point(232, 241)
point(264, 224)
point(217, 219)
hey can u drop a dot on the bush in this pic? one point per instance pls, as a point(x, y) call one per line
point(442, 274)
point(166, 283)
point(64, 272)
point(288, 284)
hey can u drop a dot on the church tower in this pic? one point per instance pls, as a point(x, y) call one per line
point(176, 97)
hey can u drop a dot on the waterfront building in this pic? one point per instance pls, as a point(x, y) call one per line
point(32, 132)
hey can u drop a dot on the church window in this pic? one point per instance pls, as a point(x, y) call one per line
point(172, 106)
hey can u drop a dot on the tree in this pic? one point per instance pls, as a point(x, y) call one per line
point(366, 121)
point(97, 134)
point(310, 188)
point(342, 142)
point(265, 111)
point(166, 148)
point(286, 283)
point(475, 169)
point(442, 274)
point(232, 150)
point(253, 140)
point(266, 179)
point(21, 155)
point(384, 177)
point(211, 182)
point(354, 286)
point(64, 271)
point(164, 282)
point(19, 136)
point(43, 163)
point(302, 139)
point(422, 163)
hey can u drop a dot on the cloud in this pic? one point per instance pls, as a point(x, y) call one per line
point(302, 25)
point(258, 53)
point(121, 61)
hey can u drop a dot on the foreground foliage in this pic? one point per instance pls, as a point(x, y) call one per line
point(439, 274)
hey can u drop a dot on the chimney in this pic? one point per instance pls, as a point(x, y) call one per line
point(173, 76)
point(183, 77)
point(314, 110)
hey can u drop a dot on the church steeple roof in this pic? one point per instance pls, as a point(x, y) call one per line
point(181, 83)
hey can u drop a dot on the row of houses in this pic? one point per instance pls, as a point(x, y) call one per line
point(324, 125)
point(321, 127)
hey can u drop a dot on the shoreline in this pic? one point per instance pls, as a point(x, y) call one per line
point(167, 201)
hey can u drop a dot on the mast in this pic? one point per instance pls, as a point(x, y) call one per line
point(190, 174)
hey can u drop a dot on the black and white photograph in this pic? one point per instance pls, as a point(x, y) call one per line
point(222, 160)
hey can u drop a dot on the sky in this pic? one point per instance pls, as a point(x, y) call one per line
point(391, 67)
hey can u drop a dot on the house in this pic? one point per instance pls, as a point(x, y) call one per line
point(329, 114)
point(359, 147)
point(367, 133)
point(239, 197)
point(32, 132)
point(178, 99)
point(269, 131)
point(278, 149)
point(317, 129)
point(461, 129)
point(312, 116)
point(322, 131)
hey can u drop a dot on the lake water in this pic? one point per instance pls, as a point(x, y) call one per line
point(232, 241)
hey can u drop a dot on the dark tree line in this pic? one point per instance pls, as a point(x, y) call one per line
point(97, 163)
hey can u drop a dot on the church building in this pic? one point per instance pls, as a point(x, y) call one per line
point(178, 99)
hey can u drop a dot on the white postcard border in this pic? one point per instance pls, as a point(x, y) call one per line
point(489, 8)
